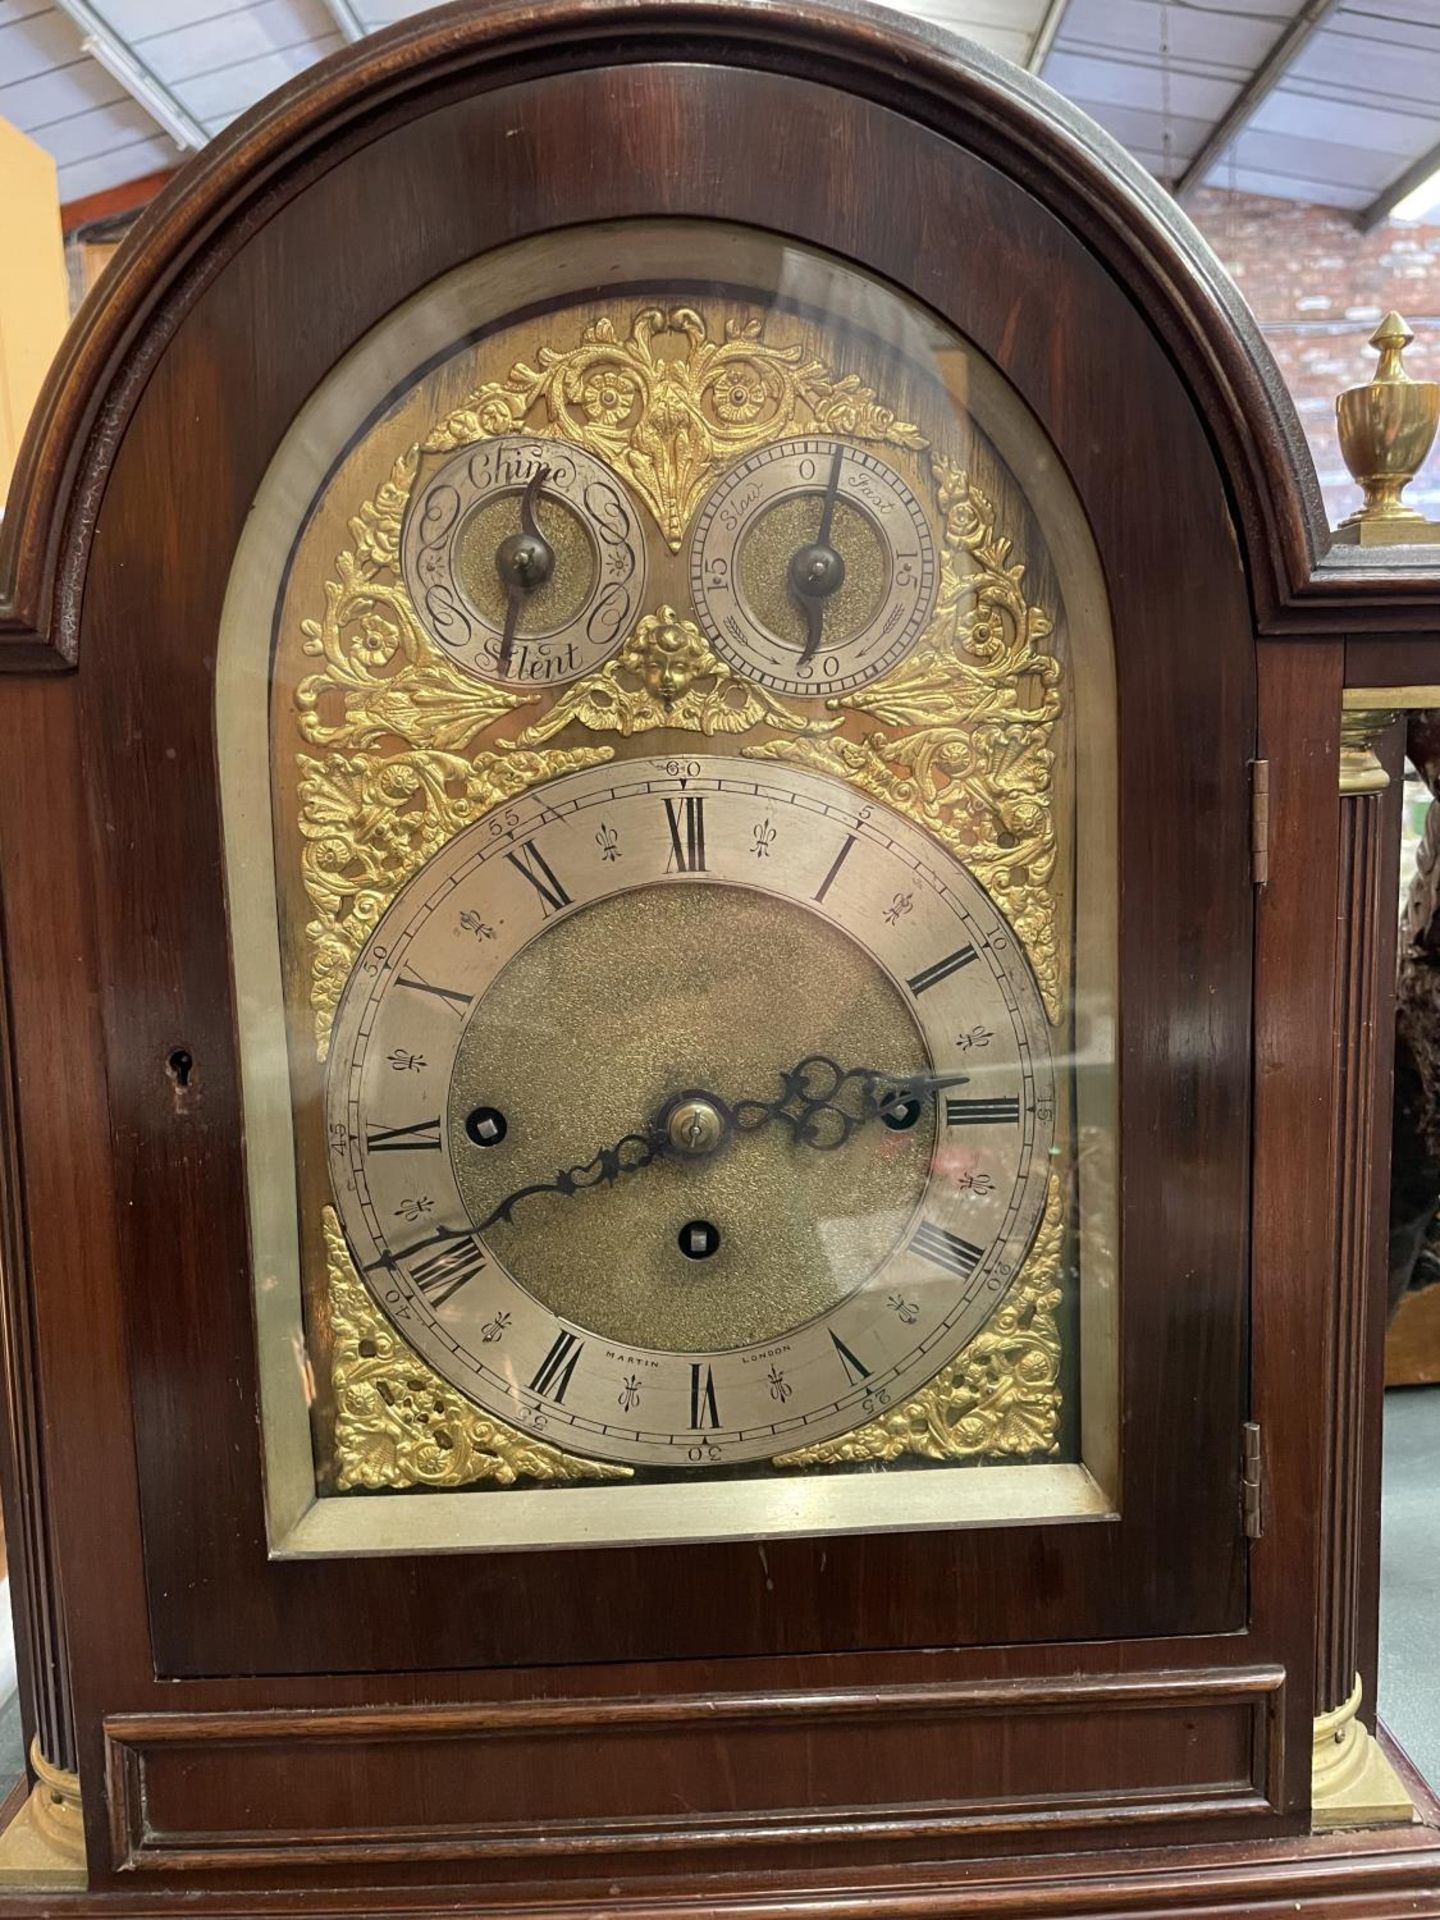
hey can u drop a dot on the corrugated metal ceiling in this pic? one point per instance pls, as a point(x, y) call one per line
point(1354, 105)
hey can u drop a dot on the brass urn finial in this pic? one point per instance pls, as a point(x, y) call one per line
point(1386, 430)
point(1390, 340)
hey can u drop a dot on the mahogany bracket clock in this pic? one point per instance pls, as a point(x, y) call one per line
point(692, 1115)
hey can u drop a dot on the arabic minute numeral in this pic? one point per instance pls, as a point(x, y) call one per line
point(829, 668)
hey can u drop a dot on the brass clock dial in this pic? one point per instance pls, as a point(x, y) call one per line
point(812, 566)
point(657, 1100)
point(525, 560)
point(687, 853)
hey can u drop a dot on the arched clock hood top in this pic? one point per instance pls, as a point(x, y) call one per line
point(986, 105)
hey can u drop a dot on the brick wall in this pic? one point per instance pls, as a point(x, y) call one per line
point(1318, 288)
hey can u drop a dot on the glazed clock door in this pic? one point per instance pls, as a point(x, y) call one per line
point(730, 1070)
point(698, 1023)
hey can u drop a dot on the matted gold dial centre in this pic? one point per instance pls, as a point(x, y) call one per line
point(763, 562)
point(561, 597)
point(592, 1029)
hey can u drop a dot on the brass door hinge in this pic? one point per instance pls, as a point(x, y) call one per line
point(1252, 1517)
point(1259, 821)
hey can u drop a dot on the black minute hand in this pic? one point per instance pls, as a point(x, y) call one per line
point(818, 570)
point(628, 1155)
point(832, 487)
point(821, 1102)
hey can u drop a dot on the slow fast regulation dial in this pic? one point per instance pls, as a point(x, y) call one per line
point(812, 567)
point(690, 1112)
point(524, 559)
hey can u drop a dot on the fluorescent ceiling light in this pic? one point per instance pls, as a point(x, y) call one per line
point(122, 63)
point(1420, 200)
point(351, 26)
point(141, 85)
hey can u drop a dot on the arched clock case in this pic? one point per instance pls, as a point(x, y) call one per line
point(675, 913)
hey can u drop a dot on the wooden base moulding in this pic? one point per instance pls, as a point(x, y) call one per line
point(1371, 1875)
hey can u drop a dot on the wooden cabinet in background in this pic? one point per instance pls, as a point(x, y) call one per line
point(34, 302)
point(1412, 1345)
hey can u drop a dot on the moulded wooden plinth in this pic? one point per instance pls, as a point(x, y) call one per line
point(1376, 1874)
point(1372, 1875)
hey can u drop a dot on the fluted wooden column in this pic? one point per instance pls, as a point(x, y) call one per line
point(1353, 1783)
point(44, 1846)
